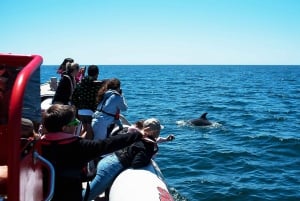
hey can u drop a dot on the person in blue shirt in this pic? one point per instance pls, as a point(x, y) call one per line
point(111, 103)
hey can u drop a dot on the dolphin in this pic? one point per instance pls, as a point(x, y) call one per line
point(201, 121)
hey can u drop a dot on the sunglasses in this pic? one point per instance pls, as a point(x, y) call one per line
point(74, 122)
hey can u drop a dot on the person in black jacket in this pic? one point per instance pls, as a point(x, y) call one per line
point(69, 153)
point(136, 155)
point(84, 98)
point(62, 68)
point(66, 85)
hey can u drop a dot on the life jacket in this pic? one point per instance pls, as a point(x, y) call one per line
point(63, 138)
point(117, 115)
point(52, 141)
point(60, 139)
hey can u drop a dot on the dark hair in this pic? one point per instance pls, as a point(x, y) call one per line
point(101, 91)
point(93, 70)
point(58, 116)
point(67, 60)
point(114, 84)
point(62, 68)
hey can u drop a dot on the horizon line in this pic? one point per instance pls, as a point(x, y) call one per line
point(182, 64)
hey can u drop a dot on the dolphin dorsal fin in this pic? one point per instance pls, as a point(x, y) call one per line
point(203, 116)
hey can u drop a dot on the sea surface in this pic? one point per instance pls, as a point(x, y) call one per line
point(252, 150)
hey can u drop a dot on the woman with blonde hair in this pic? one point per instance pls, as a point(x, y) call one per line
point(67, 84)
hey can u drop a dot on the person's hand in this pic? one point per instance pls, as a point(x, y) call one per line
point(120, 91)
point(170, 137)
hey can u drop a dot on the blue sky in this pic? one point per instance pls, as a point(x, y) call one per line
point(153, 31)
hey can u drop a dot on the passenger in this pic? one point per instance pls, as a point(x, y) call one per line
point(62, 68)
point(84, 98)
point(27, 133)
point(69, 153)
point(139, 125)
point(111, 102)
point(136, 155)
point(27, 128)
point(65, 88)
point(80, 75)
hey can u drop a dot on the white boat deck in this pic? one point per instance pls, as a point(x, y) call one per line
point(48, 89)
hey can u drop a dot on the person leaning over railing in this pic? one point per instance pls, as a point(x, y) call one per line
point(69, 153)
point(137, 155)
point(111, 102)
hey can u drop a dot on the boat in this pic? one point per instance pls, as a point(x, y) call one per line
point(48, 89)
point(47, 92)
point(21, 175)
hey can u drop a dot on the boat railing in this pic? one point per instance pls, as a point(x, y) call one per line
point(50, 167)
point(24, 179)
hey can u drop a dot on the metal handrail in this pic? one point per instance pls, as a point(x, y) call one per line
point(52, 174)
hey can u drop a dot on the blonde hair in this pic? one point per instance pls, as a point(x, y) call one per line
point(71, 67)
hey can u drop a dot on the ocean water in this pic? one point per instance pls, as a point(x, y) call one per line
point(252, 150)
